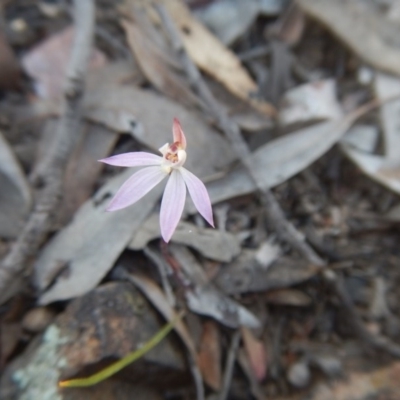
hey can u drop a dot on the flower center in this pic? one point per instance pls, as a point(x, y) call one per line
point(174, 155)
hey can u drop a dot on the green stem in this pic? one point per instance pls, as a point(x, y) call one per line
point(120, 364)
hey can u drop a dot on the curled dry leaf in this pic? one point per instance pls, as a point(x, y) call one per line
point(15, 194)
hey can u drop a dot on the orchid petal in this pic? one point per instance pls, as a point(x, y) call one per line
point(172, 205)
point(136, 187)
point(136, 159)
point(178, 134)
point(199, 195)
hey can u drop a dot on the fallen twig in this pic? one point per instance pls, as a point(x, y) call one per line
point(50, 173)
point(377, 341)
point(162, 270)
point(283, 227)
point(230, 362)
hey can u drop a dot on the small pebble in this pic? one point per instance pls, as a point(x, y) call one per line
point(299, 375)
point(37, 319)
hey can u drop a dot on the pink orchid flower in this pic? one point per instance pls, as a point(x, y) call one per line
point(158, 168)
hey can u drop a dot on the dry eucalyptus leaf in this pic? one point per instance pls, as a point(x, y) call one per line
point(153, 58)
point(310, 102)
point(81, 254)
point(363, 137)
point(211, 243)
point(157, 297)
point(15, 194)
point(210, 55)
point(288, 297)
point(383, 169)
point(388, 87)
point(256, 353)
point(281, 158)
point(228, 19)
point(244, 274)
point(205, 299)
point(47, 62)
point(152, 116)
point(83, 169)
point(351, 22)
point(209, 356)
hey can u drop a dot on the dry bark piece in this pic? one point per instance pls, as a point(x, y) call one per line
point(351, 22)
point(211, 243)
point(15, 194)
point(107, 323)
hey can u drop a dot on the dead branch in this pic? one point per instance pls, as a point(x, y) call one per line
point(51, 172)
point(283, 227)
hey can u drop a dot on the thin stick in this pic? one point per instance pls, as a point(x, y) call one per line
point(162, 270)
point(283, 227)
point(51, 172)
point(230, 362)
